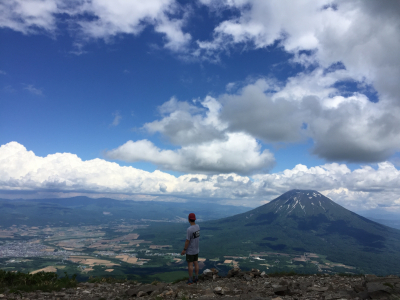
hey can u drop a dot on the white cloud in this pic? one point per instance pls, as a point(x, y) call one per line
point(255, 111)
point(2, 72)
point(107, 18)
point(23, 170)
point(117, 119)
point(363, 35)
point(33, 90)
point(28, 16)
point(61, 174)
point(344, 126)
point(239, 153)
point(184, 123)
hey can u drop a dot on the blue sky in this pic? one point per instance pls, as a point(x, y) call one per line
point(231, 101)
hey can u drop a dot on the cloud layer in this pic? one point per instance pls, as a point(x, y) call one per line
point(239, 153)
point(363, 35)
point(93, 19)
point(226, 134)
point(21, 171)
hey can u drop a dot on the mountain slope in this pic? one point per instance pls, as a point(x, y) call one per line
point(306, 221)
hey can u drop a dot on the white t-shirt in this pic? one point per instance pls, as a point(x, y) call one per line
point(193, 235)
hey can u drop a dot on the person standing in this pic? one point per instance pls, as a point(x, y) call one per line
point(191, 248)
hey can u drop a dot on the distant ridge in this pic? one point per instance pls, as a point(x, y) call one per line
point(84, 210)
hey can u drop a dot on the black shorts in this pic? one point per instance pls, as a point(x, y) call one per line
point(192, 258)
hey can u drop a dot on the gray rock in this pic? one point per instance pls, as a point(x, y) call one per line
point(318, 289)
point(363, 295)
point(61, 295)
point(241, 286)
point(248, 277)
point(207, 272)
point(379, 295)
point(132, 292)
point(280, 290)
point(219, 290)
point(377, 286)
point(359, 288)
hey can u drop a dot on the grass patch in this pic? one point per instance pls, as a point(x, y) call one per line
point(389, 285)
point(95, 279)
point(25, 282)
point(280, 274)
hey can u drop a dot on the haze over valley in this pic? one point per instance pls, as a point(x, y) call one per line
point(301, 231)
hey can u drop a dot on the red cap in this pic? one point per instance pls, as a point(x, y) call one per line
point(192, 216)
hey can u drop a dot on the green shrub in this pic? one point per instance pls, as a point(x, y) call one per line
point(280, 274)
point(46, 282)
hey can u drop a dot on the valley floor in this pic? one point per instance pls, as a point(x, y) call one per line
point(131, 250)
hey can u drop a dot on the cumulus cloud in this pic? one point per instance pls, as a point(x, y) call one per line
point(184, 123)
point(21, 171)
point(363, 35)
point(239, 153)
point(256, 112)
point(106, 18)
point(344, 126)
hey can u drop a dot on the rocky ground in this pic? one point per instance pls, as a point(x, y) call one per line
point(251, 285)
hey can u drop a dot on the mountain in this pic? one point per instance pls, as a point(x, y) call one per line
point(84, 210)
point(306, 221)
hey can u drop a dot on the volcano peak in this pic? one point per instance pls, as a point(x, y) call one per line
point(301, 203)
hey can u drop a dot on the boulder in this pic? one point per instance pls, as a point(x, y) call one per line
point(219, 290)
point(147, 289)
point(280, 290)
point(233, 272)
point(377, 286)
point(141, 294)
point(207, 272)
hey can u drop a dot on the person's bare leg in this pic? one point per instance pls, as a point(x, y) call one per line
point(196, 267)
point(190, 269)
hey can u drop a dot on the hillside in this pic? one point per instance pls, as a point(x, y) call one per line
point(302, 221)
point(306, 221)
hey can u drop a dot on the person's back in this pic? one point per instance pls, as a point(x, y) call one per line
point(193, 235)
point(191, 248)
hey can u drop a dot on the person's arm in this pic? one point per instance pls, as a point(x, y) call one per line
point(185, 248)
